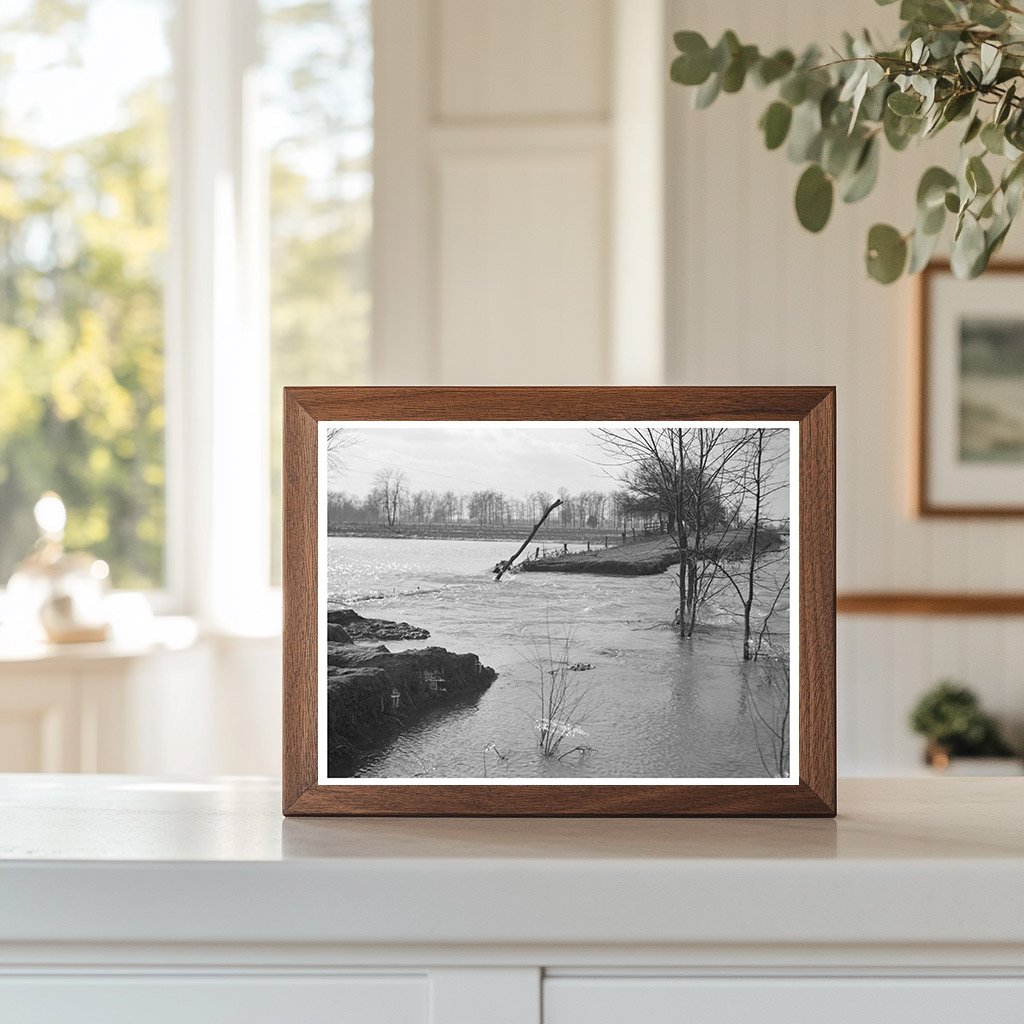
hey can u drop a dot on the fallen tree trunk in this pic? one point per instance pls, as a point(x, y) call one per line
point(503, 567)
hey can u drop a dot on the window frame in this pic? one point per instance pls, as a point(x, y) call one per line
point(216, 340)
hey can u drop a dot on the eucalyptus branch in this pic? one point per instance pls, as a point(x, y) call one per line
point(956, 61)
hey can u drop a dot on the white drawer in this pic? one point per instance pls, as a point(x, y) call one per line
point(202, 999)
point(675, 1000)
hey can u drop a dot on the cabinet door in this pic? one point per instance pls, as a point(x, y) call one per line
point(202, 999)
point(782, 1001)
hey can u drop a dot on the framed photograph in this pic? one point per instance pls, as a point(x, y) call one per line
point(970, 450)
point(559, 601)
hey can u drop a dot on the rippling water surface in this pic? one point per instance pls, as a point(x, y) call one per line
point(655, 705)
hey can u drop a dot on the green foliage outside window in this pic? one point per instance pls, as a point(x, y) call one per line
point(83, 243)
point(318, 109)
point(83, 215)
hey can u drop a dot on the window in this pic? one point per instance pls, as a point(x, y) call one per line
point(175, 246)
point(83, 235)
point(317, 88)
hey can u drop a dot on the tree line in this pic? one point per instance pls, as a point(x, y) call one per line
point(393, 503)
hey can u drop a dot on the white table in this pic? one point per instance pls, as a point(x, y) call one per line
point(125, 898)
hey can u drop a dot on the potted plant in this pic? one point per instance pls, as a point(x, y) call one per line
point(950, 717)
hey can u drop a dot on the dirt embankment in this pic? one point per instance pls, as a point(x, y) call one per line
point(373, 693)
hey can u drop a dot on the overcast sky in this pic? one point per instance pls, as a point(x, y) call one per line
point(513, 460)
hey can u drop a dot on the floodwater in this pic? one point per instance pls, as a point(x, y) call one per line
point(653, 705)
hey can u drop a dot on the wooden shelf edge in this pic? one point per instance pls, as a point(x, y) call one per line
point(928, 603)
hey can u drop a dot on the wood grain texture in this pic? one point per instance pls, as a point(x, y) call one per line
point(925, 603)
point(923, 503)
point(812, 407)
point(299, 596)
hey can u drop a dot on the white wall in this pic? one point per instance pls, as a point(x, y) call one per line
point(500, 158)
point(754, 299)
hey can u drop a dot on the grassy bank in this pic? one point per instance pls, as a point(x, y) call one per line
point(645, 557)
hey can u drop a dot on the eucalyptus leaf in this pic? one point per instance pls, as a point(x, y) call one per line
point(840, 152)
point(922, 247)
point(978, 176)
point(689, 70)
point(991, 60)
point(827, 106)
point(1005, 105)
point(775, 124)
point(771, 69)
point(958, 105)
point(933, 122)
point(900, 130)
point(805, 133)
point(1014, 193)
point(735, 74)
point(707, 93)
point(814, 196)
point(931, 190)
point(973, 130)
point(993, 138)
point(968, 255)
point(904, 103)
point(886, 253)
point(873, 107)
point(865, 173)
point(724, 51)
point(987, 15)
point(794, 88)
point(932, 221)
point(925, 87)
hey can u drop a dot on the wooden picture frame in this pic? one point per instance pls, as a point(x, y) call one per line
point(941, 489)
point(807, 413)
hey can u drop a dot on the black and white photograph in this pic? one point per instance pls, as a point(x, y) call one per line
point(548, 602)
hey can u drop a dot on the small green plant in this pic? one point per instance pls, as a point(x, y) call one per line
point(956, 61)
point(950, 716)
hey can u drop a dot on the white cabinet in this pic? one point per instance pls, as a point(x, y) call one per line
point(203, 999)
point(829, 1000)
point(133, 899)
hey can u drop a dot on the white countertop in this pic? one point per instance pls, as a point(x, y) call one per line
point(121, 859)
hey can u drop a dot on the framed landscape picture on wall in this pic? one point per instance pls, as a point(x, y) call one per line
point(970, 450)
point(533, 601)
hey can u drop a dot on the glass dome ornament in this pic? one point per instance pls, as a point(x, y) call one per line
point(56, 595)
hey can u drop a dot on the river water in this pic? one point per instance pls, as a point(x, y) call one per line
point(653, 705)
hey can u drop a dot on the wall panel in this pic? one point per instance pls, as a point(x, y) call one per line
point(529, 58)
point(518, 277)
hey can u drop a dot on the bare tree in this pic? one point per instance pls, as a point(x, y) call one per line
point(390, 489)
point(768, 704)
point(339, 441)
point(686, 473)
point(762, 476)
